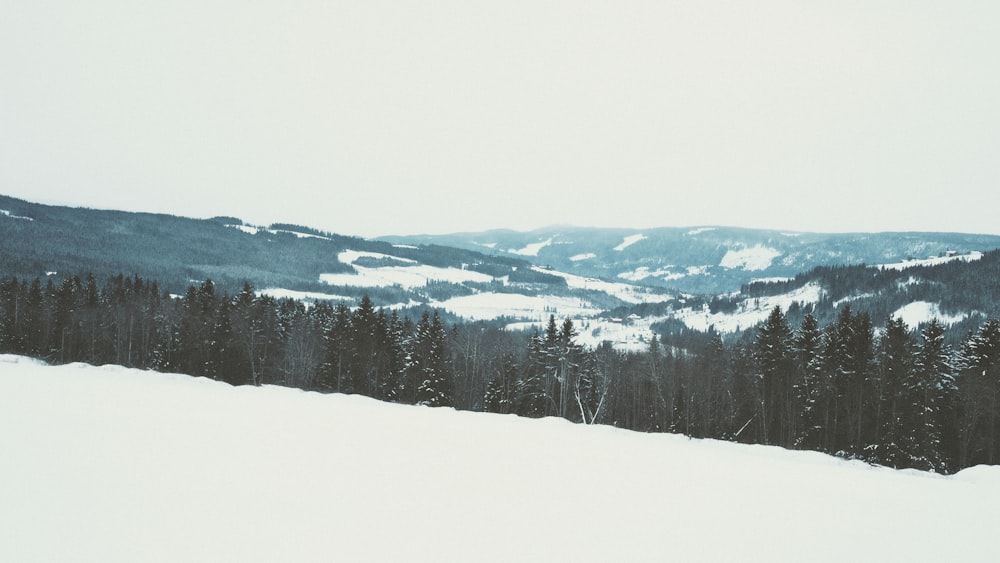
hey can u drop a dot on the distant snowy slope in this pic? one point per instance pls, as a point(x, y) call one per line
point(709, 259)
point(933, 261)
point(109, 464)
point(405, 273)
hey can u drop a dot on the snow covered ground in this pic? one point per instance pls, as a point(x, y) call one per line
point(532, 249)
point(626, 292)
point(755, 258)
point(491, 305)
point(933, 261)
point(750, 312)
point(279, 293)
point(111, 464)
point(6, 213)
point(919, 312)
point(629, 241)
point(408, 273)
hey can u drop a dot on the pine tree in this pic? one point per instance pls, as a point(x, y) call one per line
point(773, 357)
point(807, 384)
point(337, 343)
point(929, 388)
point(896, 349)
point(427, 361)
point(392, 358)
point(530, 397)
point(364, 349)
point(849, 360)
point(501, 393)
point(978, 383)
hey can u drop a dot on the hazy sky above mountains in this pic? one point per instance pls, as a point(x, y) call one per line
point(425, 117)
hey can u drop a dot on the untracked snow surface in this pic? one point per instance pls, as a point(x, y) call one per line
point(919, 312)
point(111, 464)
point(752, 259)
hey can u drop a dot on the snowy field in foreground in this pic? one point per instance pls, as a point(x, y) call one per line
point(111, 464)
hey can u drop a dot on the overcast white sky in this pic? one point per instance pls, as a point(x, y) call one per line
point(373, 117)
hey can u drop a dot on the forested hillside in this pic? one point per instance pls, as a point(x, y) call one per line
point(39, 240)
point(853, 387)
point(703, 259)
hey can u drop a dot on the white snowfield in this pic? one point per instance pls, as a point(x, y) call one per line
point(626, 292)
point(629, 241)
point(106, 464)
point(403, 275)
point(531, 249)
point(919, 312)
point(751, 312)
point(279, 293)
point(490, 305)
point(752, 259)
point(933, 261)
point(251, 230)
point(6, 213)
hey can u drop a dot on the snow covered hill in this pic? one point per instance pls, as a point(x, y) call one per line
point(704, 259)
point(110, 464)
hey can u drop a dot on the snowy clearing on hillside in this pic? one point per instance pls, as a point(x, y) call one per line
point(8, 214)
point(851, 298)
point(352, 256)
point(416, 275)
point(580, 257)
point(920, 312)
point(107, 464)
point(250, 230)
point(932, 261)
point(751, 259)
point(626, 292)
point(629, 241)
point(665, 273)
point(625, 335)
point(699, 230)
point(485, 306)
point(279, 293)
point(750, 312)
point(532, 249)
point(403, 276)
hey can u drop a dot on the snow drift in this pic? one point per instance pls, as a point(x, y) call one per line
point(113, 464)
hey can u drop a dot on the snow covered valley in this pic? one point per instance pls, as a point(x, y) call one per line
point(113, 464)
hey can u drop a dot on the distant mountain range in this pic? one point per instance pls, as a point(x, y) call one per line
point(618, 284)
point(702, 259)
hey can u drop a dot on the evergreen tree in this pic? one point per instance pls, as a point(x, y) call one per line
point(501, 390)
point(978, 384)
point(896, 349)
point(849, 360)
point(530, 398)
point(337, 342)
point(427, 362)
point(773, 357)
point(929, 387)
point(807, 383)
point(365, 335)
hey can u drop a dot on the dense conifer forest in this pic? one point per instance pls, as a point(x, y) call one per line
point(854, 387)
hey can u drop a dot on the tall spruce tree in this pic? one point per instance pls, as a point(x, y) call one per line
point(896, 349)
point(807, 389)
point(978, 408)
point(773, 359)
point(929, 388)
point(428, 363)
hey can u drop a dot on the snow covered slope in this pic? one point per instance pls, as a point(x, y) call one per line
point(708, 259)
point(110, 464)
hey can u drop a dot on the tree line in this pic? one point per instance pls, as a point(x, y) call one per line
point(887, 395)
